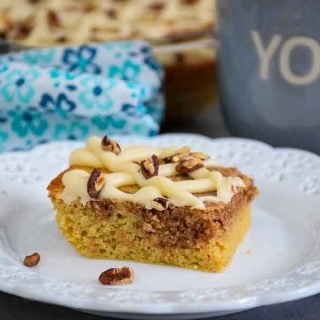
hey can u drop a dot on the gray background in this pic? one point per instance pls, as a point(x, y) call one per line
point(209, 123)
point(272, 110)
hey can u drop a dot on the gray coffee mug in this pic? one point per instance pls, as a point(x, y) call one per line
point(269, 70)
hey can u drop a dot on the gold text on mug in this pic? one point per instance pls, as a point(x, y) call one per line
point(266, 52)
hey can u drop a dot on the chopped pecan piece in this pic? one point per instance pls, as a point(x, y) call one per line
point(88, 6)
point(111, 13)
point(110, 145)
point(199, 155)
point(188, 2)
point(163, 203)
point(189, 165)
point(116, 276)
point(150, 167)
point(62, 39)
point(95, 183)
point(101, 208)
point(32, 260)
point(156, 5)
point(53, 19)
point(180, 154)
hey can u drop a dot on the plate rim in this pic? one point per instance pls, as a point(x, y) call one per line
point(235, 304)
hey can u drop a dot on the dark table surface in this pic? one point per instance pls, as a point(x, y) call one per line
point(209, 123)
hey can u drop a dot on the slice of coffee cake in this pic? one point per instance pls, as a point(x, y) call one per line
point(151, 204)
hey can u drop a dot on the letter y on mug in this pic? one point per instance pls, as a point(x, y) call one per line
point(265, 53)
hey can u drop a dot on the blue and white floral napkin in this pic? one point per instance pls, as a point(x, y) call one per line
point(73, 92)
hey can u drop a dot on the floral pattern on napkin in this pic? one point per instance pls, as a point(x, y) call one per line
point(73, 92)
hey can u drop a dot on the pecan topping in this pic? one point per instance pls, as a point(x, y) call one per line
point(96, 182)
point(53, 19)
point(32, 260)
point(88, 6)
point(111, 13)
point(116, 276)
point(150, 167)
point(189, 165)
point(62, 39)
point(22, 29)
point(188, 2)
point(199, 155)
point(110, 145)
point(181, 154)
point(157, 5)
point(161, 203)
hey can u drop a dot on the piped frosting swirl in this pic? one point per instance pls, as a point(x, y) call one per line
point(125, 169)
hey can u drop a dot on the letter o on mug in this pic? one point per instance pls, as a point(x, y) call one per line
point(285, 56)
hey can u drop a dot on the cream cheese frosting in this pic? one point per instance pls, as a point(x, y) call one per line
point(124, 169)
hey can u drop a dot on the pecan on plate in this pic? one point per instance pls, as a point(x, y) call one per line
point(189, 165)
point(117, 276)
point(150, 167)
point(32, 260)
point(96, 182)
point(110, 145)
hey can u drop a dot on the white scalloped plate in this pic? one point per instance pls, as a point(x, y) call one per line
point(279, 260)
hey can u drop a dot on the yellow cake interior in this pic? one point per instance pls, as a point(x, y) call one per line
point(117, 237)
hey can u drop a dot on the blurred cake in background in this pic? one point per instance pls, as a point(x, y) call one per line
point(178, 29)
